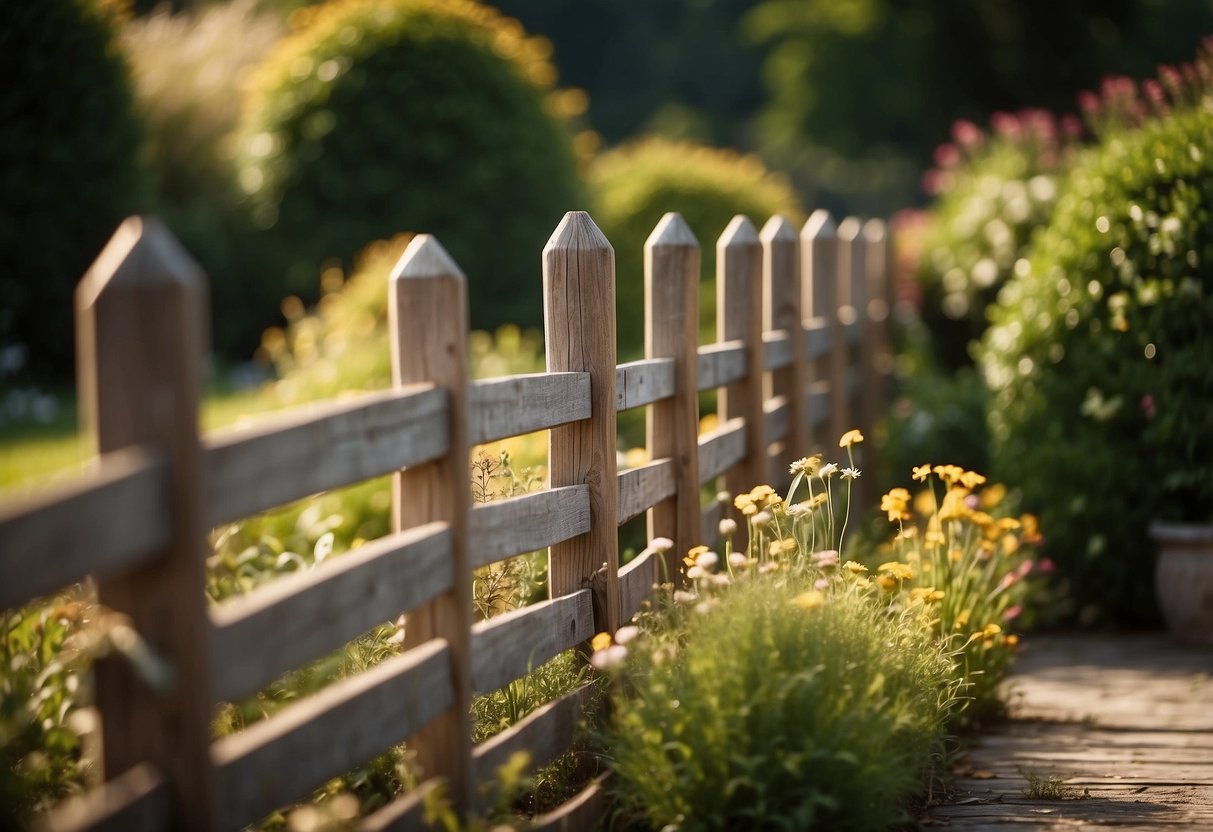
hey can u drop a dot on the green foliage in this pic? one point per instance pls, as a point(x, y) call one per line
point(635, 185)
point(185, 68)
point(70, 168)
point(1098, 354)
point(375, 118)
point(761, 713)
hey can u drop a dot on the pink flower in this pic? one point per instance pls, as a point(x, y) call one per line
point(1046, 566)
point(1147, 406)
point(1012, 613)
point(966, 133)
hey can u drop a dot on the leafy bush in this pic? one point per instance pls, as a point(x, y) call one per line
point(70, 168)
point(991, 191)
point(1098, 355)
point(635, 185)
point(186, 67)
point(374, 118)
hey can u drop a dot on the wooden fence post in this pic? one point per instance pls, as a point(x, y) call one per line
point(878, 360)
point(671, 330)
point(853, 310)
point(819, 250)
point(141, 312)
point(739, 318)
point(428, 322)
point(579, 330)
point(781, 280)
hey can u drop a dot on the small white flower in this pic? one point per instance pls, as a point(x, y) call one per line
point(762, 519)
point(827, 558)
point(721, 580)
point(828, 470)
point(850, 473)
point(737, 560)
point(625, 634)
point(799, 509)
point(683, 597)
point(723, 497)
point(661, 544)
point(728, 527)
point(696, 572)
point(608, 658)
point(707, 561)
point(821, 583)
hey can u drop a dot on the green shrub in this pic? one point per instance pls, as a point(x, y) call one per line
point(992, 190)
point(769, 709)
point(635, 185)
point(70, 168)
point(1099, 353)
point(376, 118)
point(188, 69)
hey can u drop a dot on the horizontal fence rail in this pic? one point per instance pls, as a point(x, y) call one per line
point(800, 341)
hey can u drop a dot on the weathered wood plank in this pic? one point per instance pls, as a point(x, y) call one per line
point(782, 312)
point(777, 349)
point(138, 799)
point(404, 814)
point(636, 581)
point(499, 408)
point(721, 448)
point(817, 339)
point(509, 646)
point(527, 523)
point(259, 467)
point(777, 415)
point(545, 734)
point(579, 327)
point(643, 382)
point(819, 404)
point(301, 617)
point(110, 520)
point(581, 812)
point(642, 488)
point(279, 760)
point(720, 364)
point(709, 522)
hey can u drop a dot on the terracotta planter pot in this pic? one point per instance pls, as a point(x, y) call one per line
point(1183, 579)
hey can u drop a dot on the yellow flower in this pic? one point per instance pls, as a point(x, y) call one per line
point(806, 465)
point(693, 554)
point(955, 555)
point(894, 503)
point(948, 473)
point(897, 569)
point(809, 600)
point(854, 568)
point(993, 495)
point(954, 506)
point(601, 641)
point(1010, 544)
point(851, 437)
point(991, 630)
point(1011, 640)
point(921, 472)
point(743, 500)
point(962, 620)
point(749, 509)
point(971, 479)
point(886, 582)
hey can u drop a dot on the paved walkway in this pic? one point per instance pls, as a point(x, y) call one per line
point(1116, 732)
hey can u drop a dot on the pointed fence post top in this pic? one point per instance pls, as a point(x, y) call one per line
point(577, 232)
point(425, 257)
point(819, 225)
point(671, 231)
point(849, 229)
point(143, 253)
point(739, 232)
point(875, 230)
point(778, 229)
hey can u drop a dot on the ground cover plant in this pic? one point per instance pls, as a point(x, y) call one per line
point(790, 686)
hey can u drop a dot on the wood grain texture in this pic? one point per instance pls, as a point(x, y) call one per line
point(782, 313)
point(579, 813)
point(776, 350)
point(877, 360)
point(527, 523)
point(277, 461)
point(671, 285)
point(301, 617)
point(739, 308)
point(513, 405)
point(282, 759)
point(509, 646)
point(138, 800)
point(721, 449)
point(428, 333)
point(579, 329)
point(642, 382)
point(141, 311)
point(720, 364)
point(820, 281)
point(644, 487)
point(636, 581)
point(112, 519)
point(709, 520)
point(852, 306)
point(545, 734)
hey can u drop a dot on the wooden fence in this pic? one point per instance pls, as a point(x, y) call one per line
point(798, 360)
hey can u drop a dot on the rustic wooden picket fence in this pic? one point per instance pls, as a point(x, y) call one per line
point(800, 358)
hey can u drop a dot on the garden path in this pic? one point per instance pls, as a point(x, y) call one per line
point(1115, 730)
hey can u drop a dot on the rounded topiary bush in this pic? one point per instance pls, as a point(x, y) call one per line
point(375, 118)
point(1099, 356)
point(635, 185)
point(70, 167)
